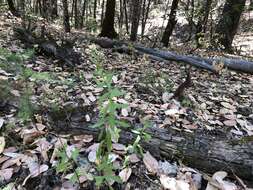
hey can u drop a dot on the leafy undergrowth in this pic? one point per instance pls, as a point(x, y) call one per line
point(37, 95)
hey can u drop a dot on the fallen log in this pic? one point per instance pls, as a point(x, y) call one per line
point(198, 150)
point(196, 61)
point(65, 52)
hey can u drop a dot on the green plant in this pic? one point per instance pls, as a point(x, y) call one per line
point(186, 102)
point(91, 25)
point(157, 82)
point(12, 62)
point(10, 186)
point(68, 163)
point(108, 122)
point(65, 162)
point(26, 108)
point(141, 135)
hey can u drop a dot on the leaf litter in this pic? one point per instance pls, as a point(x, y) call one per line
point(214, 102)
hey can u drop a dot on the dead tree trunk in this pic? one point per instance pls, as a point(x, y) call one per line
point(203, 63)
point(198, 150)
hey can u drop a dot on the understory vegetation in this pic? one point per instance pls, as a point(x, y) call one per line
point(126, 94)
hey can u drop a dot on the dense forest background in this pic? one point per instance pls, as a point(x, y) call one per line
point(209, 23)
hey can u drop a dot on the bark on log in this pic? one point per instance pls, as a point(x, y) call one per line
point(203, 63)
point(196, 150)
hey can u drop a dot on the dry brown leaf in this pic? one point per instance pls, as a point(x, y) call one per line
point(58, 145)
point(40, 126)
point(133, 158)
point(92, 156)
point(230, 123)
point(228, 106)
point(124, 112)
point(84, 138)
point(190, 126)
point(118, 147)
point(173, 184)
point(93, 147)
point(218, 182)
point(2, 144)
point(6, 174)
point(43, 147)
point(1, 122)
point(3, 159)
point(38, 170)
point(151, 163)
point(172, 112)
point(15, 93)
point(125, 174)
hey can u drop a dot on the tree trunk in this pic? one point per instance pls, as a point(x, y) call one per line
point(21, 7)
point(145, 12)
point(102, 11)
point(12, 8)
point(95, 9)
point(202, 21)
point(66, 16)
point(171, 23)
point(76, 16)
point(251, 5)
point(108, 23)
point(126, 15)
point(135, 19)
point(228, 23)
point(54, 9)
point(83, 13)
point(121, 14)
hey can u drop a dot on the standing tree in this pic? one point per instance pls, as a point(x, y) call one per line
point(202, 20)
point(126, 15)
point(251, 5)
point(12, 8)
point(108, 22)
point(145, 12)
point(66, 16)
point(228, 23)
point(54, 9)
point(135, 19)
point(95, 9)
point(171, 23)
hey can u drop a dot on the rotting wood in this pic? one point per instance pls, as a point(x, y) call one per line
point(197, 150)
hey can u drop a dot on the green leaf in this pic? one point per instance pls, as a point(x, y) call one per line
point(122, 124)
point(99, 180)
point(115, 93)
point(136, 132)
point(75, 154)
point(99, 124)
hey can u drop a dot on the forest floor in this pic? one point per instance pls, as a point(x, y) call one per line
point(219, 105)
